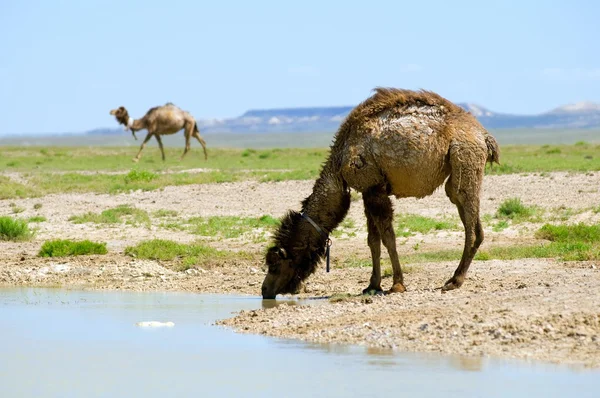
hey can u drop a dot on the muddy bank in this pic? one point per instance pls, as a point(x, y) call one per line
point(528, 309)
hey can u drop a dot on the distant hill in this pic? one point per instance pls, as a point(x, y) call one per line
point(581, 115)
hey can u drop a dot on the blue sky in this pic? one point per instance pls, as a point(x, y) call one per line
point(65, 64)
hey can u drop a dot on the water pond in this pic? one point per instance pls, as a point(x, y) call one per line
point(63, 343)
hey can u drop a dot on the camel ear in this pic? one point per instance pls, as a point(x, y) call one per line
point(282, 252)
point(121, 108)
point(273, 257)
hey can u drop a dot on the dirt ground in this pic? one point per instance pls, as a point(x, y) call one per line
point(539, 309)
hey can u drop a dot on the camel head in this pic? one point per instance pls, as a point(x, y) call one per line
point(281, 277)
point(123, 118)
point(290, 260)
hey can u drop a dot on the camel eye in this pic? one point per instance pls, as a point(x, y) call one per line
point(274, 269)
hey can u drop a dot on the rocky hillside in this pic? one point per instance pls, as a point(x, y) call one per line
point(291, 120)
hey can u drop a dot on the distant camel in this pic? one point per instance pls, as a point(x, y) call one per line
point(397, 142)
point(161, 120)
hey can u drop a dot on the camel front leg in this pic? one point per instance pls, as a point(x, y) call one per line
point(380, 206)
point(374, 241)
point(160, 145)
point(137, 157)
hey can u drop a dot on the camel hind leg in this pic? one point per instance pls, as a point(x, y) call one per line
point(196, 134)
point(160, 145)
point(463, 189)
point(188, 134)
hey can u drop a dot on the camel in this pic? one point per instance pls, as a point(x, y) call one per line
point(161, 120)
point(397, 142)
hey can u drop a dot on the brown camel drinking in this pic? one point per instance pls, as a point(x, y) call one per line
point(161, 120)
point(397, 142)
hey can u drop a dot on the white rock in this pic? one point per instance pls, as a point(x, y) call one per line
point(155, 324)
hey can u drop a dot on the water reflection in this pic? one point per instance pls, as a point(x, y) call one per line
point(272, 303)
point(472, 364)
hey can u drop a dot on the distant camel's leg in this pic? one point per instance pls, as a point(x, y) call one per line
point(188, 132)
point(160, 145)
point(374, 241)
point(463, 188)
point(187, 145)
point(137, 158)
point(380, 208)
point(202, 142)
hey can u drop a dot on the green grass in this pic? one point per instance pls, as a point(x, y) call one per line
point(117, 215)
point(37, 206)
point(542, 158)
point(345, 227)
point(500, 226)
point(514, 158)
point(139, 176)
point(113, 184)
point(37, 219)
point(14, 190)
point(570, 233)
point(12, 229)
point(356, 262)
point(564, 242)
point(65, 248)
point(514, 209)
point(162, 213)
point(564, 213)
point(187, 255)
point(119, 159)
point(40, 165)
point(16, 209)
point(409, 224)
point(230, 226)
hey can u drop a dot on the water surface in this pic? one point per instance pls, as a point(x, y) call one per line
point(60, 343)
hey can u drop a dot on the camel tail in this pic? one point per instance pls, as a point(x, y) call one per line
point(493, 149)
point(202, 142)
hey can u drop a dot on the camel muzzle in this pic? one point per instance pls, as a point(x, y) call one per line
point(267, 295)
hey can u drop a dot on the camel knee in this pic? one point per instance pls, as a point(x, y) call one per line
point(374, 241)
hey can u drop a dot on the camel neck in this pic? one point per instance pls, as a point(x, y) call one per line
point(329, 201)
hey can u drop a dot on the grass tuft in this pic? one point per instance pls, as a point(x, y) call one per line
point(139, 176)
point(14, 229)
point(165, 213)
point(570, 233)
point(64, 248)
point(117, 215)
point(513, 208)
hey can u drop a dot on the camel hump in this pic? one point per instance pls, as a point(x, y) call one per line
point(386, 99)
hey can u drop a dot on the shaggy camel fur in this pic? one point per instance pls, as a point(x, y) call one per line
point(397, 142)
point(161, 120)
